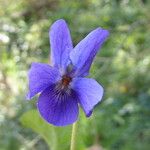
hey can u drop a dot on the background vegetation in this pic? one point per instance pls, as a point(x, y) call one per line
point(122, 120)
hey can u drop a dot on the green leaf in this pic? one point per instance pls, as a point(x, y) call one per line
point(55, 137)
point(31, 119)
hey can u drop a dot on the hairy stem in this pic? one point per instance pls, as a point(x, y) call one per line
point(73, 136)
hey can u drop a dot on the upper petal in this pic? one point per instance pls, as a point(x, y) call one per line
point(61, 44)
point(40, 77)
point(84, 53)
point(58, 109)
point(89, 93)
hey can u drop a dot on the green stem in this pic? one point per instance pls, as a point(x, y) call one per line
point(73, 136)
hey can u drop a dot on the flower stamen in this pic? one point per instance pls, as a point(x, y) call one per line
point(66, 80)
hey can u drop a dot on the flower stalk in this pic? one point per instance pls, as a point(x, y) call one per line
point(74, 136)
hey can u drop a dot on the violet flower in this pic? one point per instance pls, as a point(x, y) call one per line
point(63, 84)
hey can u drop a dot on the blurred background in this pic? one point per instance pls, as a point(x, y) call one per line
point(122, 120)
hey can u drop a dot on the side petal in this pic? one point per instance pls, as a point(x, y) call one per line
point(40, 77)
point(61, 44)
point(89, 93)
point(57, 109)
point(84, 53)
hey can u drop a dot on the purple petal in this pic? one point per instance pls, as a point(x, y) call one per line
point(89, 93)
point(41, 76)
point(84, 53)
point(61, 44)
point(57, 109)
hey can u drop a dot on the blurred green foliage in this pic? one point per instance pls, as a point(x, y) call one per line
point(122, 120)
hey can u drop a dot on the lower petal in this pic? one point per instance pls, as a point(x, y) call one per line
point(56, 108)
point(89, 93)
